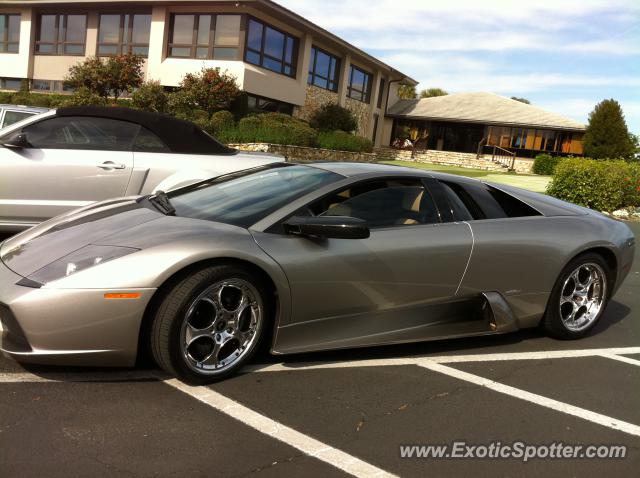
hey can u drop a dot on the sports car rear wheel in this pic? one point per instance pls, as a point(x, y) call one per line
point(209, 324)
point(578, 298)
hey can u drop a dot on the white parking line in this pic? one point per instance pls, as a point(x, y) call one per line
point(119, 376)
point(539, 355)
point(309, 446)
point(594, 417)
point(621, 358)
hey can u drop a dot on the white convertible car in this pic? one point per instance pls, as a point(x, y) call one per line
point(70, 157)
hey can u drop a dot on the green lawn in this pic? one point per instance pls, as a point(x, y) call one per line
point(532, 182)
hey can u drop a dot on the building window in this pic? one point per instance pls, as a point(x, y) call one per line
point(13, 84)
point(259, 104)
point(271, 48)
point(51, 86)
point(9, 33)
point(359, 85)
point(324, 69)
point(62, 34)
point(42, 85)
point(381, 92)
point(119, 34)
point(205, 36)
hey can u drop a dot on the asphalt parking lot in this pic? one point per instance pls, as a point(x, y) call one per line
point(340, 414)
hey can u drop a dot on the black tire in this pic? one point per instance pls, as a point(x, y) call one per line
point(171, 314)
point(553, 323)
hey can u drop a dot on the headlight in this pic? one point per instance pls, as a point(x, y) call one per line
point(79, 260)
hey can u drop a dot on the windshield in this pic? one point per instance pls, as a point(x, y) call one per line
point(243, 201)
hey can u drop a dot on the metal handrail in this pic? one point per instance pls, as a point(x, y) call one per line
point(502, 156)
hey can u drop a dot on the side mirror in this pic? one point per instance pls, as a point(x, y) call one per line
point(334, 227)
point(16, 141)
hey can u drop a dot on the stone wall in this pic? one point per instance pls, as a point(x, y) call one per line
point(362, 112)
point(450, 158)
point(523, 165)
point(302, 153)
point(315, 98)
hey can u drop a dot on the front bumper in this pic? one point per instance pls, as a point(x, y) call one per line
point(68, 326)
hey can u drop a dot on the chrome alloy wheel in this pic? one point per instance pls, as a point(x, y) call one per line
point(221, 326)
point(583, 295)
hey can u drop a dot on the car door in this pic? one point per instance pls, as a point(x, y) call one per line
point(68, 162)
point(397, 285)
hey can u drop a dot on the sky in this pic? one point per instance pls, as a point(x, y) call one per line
point(562, 55)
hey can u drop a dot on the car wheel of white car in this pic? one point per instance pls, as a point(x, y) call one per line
point(209, 324)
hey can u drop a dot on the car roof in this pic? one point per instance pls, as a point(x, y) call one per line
point(179, 135)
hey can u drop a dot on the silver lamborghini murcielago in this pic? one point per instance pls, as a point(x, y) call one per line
point(306, 257)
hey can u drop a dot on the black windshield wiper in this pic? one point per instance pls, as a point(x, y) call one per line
point(161, 202)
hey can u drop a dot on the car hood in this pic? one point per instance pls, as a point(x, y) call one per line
point(41, 245)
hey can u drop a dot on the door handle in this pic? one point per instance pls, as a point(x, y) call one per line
point(108, 165)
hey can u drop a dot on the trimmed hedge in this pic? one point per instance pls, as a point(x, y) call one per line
point(632, 185)
point(47, 100)
point(341, 141)
point(332, 117)
point(545, 164)
point(599, 185)
point(53, 100)
point(275, 128)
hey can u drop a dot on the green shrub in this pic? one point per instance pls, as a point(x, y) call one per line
point(341, 141)
point(276, 128)
point(5, 97)
point(84, 97)
point(221, 120)
point(545, 164)
point(595, 184)
point(150, 96)
point(332, 117)
point(209, 90)
point(107, 77)
point(632, 185)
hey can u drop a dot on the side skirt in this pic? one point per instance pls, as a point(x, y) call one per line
point(482, 314)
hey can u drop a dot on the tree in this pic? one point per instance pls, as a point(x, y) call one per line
point(432, 92)
point(521, 100)
point(106, 77)
point(607, 135)
point(150, 96)
point(407, 92)
point(209, 90)
point(332, 117)
point(125, 72)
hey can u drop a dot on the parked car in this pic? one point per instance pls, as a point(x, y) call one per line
point(71, 157)
point(306, 258)
point(10, 114)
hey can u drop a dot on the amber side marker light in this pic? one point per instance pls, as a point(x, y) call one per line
point(120, 295)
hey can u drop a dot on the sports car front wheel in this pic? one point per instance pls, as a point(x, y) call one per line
point(579, 297)
point(209, 324)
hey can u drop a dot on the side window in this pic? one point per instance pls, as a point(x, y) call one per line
point(11, 117)
point(511, 206)
point(148, 142)
point(82, 132)
point(460, 209)
point(381, 203)
point(481, 201)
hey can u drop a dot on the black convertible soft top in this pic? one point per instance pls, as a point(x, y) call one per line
point(179, 135)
